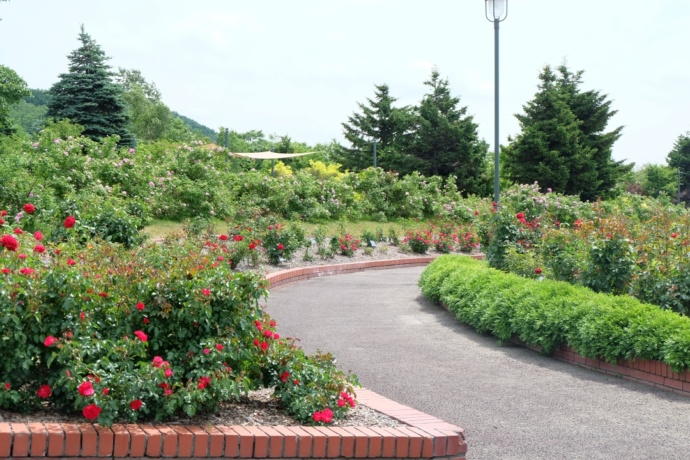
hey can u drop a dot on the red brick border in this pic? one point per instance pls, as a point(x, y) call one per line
point(423, 436)
point(653, 373)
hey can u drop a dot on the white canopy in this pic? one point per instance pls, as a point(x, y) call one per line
point(270, 155)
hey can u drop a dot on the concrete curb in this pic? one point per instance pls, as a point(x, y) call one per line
point(424, 436)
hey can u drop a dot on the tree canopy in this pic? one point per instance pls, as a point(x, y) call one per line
point(12, 90)
point(378, 121)
point(563, 144)
point(87, 95)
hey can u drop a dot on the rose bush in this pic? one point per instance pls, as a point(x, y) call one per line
point(157, 330)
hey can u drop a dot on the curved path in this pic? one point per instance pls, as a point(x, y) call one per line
point(512, 402)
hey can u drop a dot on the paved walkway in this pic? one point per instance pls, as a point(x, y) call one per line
point(512, 403)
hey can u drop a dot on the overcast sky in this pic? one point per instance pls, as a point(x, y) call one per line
point(300, 67)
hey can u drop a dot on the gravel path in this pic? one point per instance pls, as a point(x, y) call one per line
point(513, 403)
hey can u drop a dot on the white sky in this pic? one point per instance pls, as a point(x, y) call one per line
point(300, 67)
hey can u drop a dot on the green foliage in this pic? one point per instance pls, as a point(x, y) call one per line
point(281, 242)
point(679, 159)
point(379, 122)
point(146, 333)
point(446, 140)
point(87, 96)
point(551, 313)
point(563, 144)
point(12, 90)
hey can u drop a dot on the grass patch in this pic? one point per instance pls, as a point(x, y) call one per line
point(163, 228)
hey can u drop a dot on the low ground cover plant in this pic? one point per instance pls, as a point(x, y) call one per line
point(145, 333)
point(550, 313)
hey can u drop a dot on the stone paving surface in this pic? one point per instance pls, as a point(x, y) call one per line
point(512, 402)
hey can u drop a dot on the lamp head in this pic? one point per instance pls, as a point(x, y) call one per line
point(496, 10)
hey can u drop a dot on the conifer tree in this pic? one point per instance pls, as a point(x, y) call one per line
point(86, 95)
point(563, 144)
point(446, 141)
point(378, 121)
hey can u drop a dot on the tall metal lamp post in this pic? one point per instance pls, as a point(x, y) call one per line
point(496, 11)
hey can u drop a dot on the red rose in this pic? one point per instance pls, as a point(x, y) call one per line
point(85, 389)
point(18, 231)
point(8, 386)
point(141, 336)
point(103, 294)
point(222, 238)
point(140, 306)
point(268, 333)
point(146, 320)
point(82, 315)
point(263, 345)
point(207, 351)
point(28, 207)
point(206, 292)
point(49, 341)
point(105, 391)
point(168, 373)
point(91, 411)
point(537, 271)
point(69, 222)
point(157, 361)
point(219, 347)
point(326, 415)
point(44, 391)
point(38, 236)
point(341, 403)
point(252, 246)
point(3, 213)
point(9, 242)
point(674, 235)
point(39, 248)
point(71, 262)
point(284, 376)
point(280, 246)
point(136, 404)
point(26, 271)
point(6, 271)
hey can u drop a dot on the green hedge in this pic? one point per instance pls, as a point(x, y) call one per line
point(550, 313)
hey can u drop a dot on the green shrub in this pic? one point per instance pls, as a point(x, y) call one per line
point(551, 313)
point(145, 333)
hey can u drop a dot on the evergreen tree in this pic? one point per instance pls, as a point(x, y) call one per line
point(563, 145)
point(88, 96)
point(679, 158)
point(446, 140)
point(378, 121)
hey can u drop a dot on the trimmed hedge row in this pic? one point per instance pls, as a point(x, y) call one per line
point(550, 313)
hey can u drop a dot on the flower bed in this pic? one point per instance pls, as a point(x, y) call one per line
point(142, 334)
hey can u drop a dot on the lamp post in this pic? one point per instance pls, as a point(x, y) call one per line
point(374, 143)
point(496, 11)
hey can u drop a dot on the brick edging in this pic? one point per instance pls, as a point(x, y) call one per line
point(423, 437)
point(298, 274)
point(648, 372)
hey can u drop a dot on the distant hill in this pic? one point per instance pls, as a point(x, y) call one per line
point(197, 127)
point(30, 115)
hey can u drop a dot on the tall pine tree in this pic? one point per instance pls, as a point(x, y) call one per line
point(679, 158)
point(87, 95)
point(563, 144)
point(378, 121)
point(445, 138)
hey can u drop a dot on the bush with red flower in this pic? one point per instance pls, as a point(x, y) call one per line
point(136, 338)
